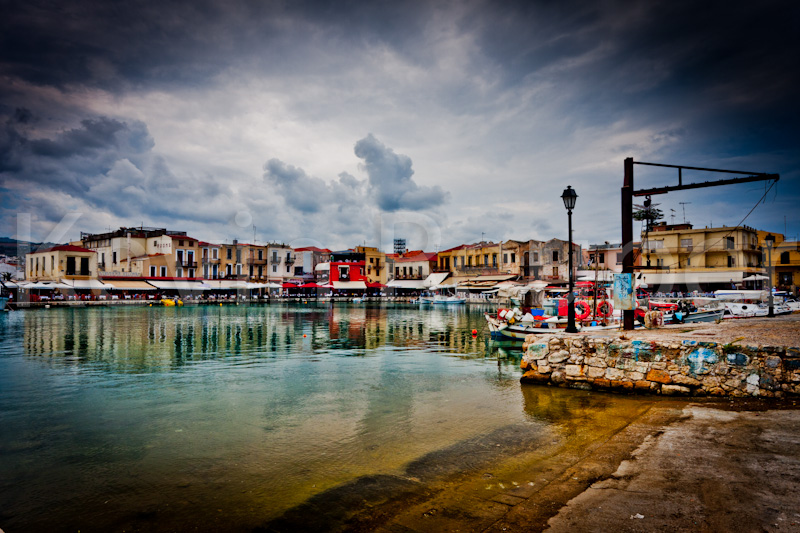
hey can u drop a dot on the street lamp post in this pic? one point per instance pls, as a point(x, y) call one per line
point(569, 196)
point(770, 240)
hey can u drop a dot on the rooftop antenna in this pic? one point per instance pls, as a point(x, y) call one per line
point(482, 234)
point(672, 217)
point(683, 205)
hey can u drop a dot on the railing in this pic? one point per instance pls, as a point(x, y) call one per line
point(290, 260)
point(186, 264)
point(209, 260)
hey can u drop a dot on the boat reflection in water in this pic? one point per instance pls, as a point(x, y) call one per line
point(170, 418)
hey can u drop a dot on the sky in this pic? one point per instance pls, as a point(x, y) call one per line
point(337, 124)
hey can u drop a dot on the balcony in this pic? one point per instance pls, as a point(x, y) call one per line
point(277, 260)
point(210, 260)
point(290, 260)
point(186, 264)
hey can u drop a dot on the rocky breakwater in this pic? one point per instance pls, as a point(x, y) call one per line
point(669, 367)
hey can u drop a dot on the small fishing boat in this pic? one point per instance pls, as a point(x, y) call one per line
point(171, 302)
point(447, 300)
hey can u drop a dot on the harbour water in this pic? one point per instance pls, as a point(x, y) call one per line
point(164, 419)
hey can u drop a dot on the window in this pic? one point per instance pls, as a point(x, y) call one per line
point(70, 266)
point(469, 261)
point(729, 243)
point(252, 269)
point(535, 257)
point(152, 271)
point(731, 261)
point(52, 263)
point(191, 272)
point(260, 271)
point(164, 272)
point(114, 257)
point(397, 272)
point(238, 270)
point(785, 260)
point(660, 262)
point(274, 256)
point(180, 243)
point(260, 255)
point(178, 272)
point(656, 245)
point(555, 256)
point(179, 255)
point(274, 267)
point(215, 253)
point(688, 261)
point(486, 259)
point(228, 253)
point(555, 271)
point(513, 257)
point(494, 260)
point(687, 244)
point(205, 271)
point(419, 271)
point(505, 258)
point(602, 257)
point(288, 268)
point(619, 258)
point(238, 255)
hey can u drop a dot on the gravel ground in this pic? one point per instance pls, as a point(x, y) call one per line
point(779, 331)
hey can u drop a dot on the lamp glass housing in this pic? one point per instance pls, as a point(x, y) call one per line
point(569, 196)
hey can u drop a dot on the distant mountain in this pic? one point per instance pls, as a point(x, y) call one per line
point(13, 247)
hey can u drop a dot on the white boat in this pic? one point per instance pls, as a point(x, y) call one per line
point(518, 331)
point(447, 300)
point(743, 310)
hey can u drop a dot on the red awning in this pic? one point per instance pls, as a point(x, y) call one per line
point(289, 285)
point(584, 284)
point(375, 285)
point(309, 285)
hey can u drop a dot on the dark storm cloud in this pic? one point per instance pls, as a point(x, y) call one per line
point(390, 179)
point(105, 165)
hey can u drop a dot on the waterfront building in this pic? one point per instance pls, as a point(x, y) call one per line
point(306, 261)
point(785, 262)
point(347, 271)
point(63, 262)
point(280, 262)
point(210, 259)
point(414, 265)
point(602, 261)
point(375, 262)
point(681, 258)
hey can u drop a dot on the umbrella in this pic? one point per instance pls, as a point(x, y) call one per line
point(754, 277)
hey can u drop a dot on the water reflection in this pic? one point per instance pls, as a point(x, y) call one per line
point(161, 339)
point(155, 418)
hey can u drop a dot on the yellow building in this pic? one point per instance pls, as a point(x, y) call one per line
point(785, 262)
point(67, 262)
point(682, 258)
point(375, 262)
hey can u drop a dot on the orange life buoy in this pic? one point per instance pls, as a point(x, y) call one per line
point(585, 310)
point(605, 309)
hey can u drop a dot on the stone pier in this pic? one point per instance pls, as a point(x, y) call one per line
point(668, 365)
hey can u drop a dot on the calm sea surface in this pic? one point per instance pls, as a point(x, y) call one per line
point(148, 418)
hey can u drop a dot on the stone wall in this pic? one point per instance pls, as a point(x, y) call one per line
point(690, 367)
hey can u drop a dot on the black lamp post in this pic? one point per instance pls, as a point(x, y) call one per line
point(770, 240)
point(569, 196)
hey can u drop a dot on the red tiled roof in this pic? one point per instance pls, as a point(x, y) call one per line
point(312, 249)
point(68, 248)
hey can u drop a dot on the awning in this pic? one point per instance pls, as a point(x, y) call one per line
point(178, 285)
point(129, 285)
point(43, 285)
point(436, 278)
point(85, 284)
point(223, 284)
point(682, 278)
point(349, 285)
point(416, 284)
point(322, 266)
